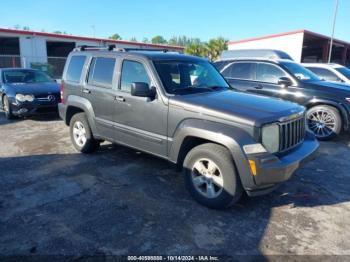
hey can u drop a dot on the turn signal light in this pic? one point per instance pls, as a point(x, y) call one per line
point(252, 167)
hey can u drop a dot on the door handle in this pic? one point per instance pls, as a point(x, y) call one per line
point(120, 99)
point(86, 91)
point(258, 86)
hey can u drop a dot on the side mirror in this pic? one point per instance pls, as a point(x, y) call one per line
point(142, 89)
point(284, 81)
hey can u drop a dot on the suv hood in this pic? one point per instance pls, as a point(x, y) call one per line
point(341, 87)
point(35, 88)
point(249, 109)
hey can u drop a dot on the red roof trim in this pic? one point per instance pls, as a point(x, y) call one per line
point(284, 34)
point(84, 38)
point(266, 37)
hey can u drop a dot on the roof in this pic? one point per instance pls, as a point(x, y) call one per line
point(252, 53)
point(84, 38)
point(255, 59)
point(322, 65)
point(303, 31)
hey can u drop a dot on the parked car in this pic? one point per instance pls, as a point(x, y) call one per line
point(328, 104)
point(26, 92)
point(180, 108)
point(330, 72)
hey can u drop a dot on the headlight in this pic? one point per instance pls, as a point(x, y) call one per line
point(347, 99)
point(271, 137)
point(23, 98)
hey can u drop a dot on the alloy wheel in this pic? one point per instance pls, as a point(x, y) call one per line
point(207, 178)
point(79, 133)
point(322, 123)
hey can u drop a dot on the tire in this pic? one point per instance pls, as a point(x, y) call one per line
point(218, 189)
point(7, 108)
point(325, 121)
point(81, 135)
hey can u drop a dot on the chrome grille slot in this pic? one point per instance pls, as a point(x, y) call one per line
point(292, 133)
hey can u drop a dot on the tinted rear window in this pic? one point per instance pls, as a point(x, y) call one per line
point(75, 68)
point(101, 71)
point(240, 71)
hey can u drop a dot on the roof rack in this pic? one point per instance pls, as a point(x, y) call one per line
point(92, 48)
point(114, 48)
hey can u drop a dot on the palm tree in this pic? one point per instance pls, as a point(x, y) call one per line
point(215, 47)
point(196, 49)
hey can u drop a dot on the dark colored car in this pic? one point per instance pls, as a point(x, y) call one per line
point(180, 108)
point(328, 104)
point(27, 91)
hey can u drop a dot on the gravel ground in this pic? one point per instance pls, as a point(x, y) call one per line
point(118, 201)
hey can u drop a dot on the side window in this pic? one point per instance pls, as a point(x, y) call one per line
point(325, 74)
point(240, 71)
point(75, 68)
point(101, 71)
point(269, 73)
point(133, 71)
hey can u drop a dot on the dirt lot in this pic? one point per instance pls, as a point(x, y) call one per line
point(121, 202)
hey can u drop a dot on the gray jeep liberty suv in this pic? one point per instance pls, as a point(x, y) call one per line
point(180, 108)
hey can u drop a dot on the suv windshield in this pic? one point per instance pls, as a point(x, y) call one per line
point(344, 71)
point(187, 77)
point(25, 76)
point(300, 72)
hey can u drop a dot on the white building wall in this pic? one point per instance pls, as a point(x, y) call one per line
point(291, 44)
point(32, 49)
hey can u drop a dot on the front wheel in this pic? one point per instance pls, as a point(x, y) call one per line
point(81, 135)
point(325, 121)
point(211, 177)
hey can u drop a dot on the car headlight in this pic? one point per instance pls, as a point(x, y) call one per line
point(271, 137)
point(347, 99)
point(23, 98)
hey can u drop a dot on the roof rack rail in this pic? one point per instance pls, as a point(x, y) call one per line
point(164, 50)
point(114, 48)
point(92, 48)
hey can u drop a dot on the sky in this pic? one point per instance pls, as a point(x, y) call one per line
point(204, 19)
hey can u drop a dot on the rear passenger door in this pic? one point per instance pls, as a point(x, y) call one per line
point(99, 91)
point(240, 75)
point(141, 122)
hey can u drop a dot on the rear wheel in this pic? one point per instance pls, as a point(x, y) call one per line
point(211, 177)
point(325, 121)
point(7, 108)
point(81, 135)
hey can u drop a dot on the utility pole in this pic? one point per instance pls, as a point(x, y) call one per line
point(333, 29)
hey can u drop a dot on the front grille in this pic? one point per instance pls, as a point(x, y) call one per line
point(292, 133)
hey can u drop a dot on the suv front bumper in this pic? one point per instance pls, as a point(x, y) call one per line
point(271, 170)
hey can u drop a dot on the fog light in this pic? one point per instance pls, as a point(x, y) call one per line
point(252, 167)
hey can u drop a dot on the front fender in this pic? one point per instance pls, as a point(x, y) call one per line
point(233, 138)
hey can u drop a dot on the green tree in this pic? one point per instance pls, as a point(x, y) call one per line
point(115, 37)
point(159, 40)
point(215, 47)
point(145, 40)
point(133, 39)
point(197, 49)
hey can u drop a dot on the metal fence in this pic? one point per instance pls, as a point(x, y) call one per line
point(52, 65)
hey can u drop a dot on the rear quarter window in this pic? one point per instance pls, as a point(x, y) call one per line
point(75, 68)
